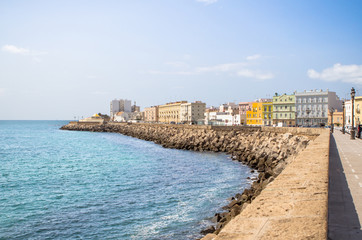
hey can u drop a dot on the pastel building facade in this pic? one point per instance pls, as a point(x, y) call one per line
point(358, 110)
point(192, 112)
point(170, 112)
point(313, 107)
point(336, 118)
point(284, 110)
point(216, 118)
point(254, 115)
point(243, 108)
point(267, 113)
point(151, 114)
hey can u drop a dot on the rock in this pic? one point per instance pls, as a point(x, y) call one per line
point(235, 210)
point(232, 203)
point(209, 229)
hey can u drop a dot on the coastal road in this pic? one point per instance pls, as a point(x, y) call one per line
point(345, 187)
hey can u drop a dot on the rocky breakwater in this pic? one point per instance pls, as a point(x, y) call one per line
point(265, 151)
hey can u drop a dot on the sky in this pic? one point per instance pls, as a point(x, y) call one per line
point(68, 59)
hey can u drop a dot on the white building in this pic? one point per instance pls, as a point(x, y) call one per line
point(229, 107)
point(121, 117)
point(121, 105)
point(222, 119)
point(192, 112)
point(348, 113)
point(312, 107)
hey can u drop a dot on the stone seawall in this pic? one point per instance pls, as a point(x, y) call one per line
point(267, 150)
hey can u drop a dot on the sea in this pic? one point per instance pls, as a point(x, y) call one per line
point(57, 184)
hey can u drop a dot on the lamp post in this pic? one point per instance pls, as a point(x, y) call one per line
point(353, 93)
point(343, 130)
point(308, 111)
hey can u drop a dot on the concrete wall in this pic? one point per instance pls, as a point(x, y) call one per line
point(294, 205)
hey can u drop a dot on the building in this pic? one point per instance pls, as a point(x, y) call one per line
point(243, 108)
point(210, 115)
point(170, 112)
point(192, 112)
point(312, 107)
point(229, 107)
point(358, 110)
point(135, 108)
point(267, 113)
point(93, 119)
point(284, 110)
point(151, 114)
point(337, 118)
point(121, 105)
point(216, 118)
point(121, 117)
point(254, 116)
point(348, 113)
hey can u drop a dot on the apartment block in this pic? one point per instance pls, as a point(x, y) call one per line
point(151, 114)
point(119, 105)
point(284, 110)
point(267, 113)
point(192, 112)
point(313, 107)
point(170, 112)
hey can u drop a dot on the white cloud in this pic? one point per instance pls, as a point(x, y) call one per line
point(22, 51)
point(15, 50)
point(254, 74)
point(339, 72)
point(226, 67)
point(253, 57)
point(207, 2)
point(246, 69)
point(172, 73)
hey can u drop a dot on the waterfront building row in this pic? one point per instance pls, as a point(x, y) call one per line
point(306, 108)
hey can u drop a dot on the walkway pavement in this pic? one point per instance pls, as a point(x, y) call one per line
point(345, 187)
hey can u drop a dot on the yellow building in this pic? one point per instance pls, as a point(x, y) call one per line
point(337, 118)
point(267, 113)
point(93, 119)
point(170, 112)
point(254, 116)
point(358, 110)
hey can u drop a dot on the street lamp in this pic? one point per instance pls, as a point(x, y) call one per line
point(353, 93)
point(343, 130)
point(308, 111)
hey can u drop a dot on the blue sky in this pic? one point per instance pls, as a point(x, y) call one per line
point(60, 59)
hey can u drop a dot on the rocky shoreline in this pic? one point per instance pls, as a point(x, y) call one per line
point(264, 151)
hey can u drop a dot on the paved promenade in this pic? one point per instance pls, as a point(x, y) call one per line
point(345, 188)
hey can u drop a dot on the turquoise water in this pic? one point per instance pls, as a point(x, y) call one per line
point(80, 185)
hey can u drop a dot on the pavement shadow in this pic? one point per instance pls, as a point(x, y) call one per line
point(343, 222)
